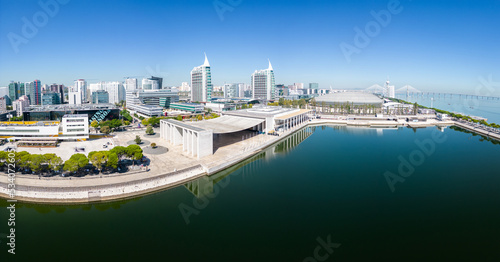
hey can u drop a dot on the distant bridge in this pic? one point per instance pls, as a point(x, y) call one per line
point(450, 95)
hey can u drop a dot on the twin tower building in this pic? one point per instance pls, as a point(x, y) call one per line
point(262, 83)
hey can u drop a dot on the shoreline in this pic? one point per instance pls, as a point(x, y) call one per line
point(135, 185)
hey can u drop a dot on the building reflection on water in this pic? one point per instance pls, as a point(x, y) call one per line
point(205, 185)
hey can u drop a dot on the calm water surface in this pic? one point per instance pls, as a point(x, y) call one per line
point(326, 183)
point(487, 108)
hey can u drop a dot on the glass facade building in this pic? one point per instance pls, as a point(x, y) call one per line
point(55, 113)
point(51, 98)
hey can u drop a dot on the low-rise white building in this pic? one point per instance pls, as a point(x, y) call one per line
point(72, 127)
point(75, 127)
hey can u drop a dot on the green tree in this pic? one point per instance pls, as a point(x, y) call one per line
point(98, 159)
point(199, 118)
point(126, 122)
point(105, 130)
point(132, 149)
point(150, 130)
point(55, 163)
point(313, 102)
point(153, 145)
point(71, 165)
point(112, 160)
point(134, 152)
point(302, 103)
point(179, 118)
point(81, 159)
point(144, 122)
point(94, 124)
point(19, 155)
point(137, 140)
point(137, 155)
point(154, 121)
point(120, 151)
point(36, 162)
point(115, 124)
point(281, 101)
point(17, 118)
point(25, 161)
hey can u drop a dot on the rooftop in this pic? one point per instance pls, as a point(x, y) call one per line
point(227, 124)
point(70, 107)
point(262, 111)
point(75, 115)
point(351, 97)
point(186, 104)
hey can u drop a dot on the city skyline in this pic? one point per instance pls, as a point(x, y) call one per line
point(447, 49)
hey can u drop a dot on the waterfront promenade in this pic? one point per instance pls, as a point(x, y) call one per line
point(173, 168)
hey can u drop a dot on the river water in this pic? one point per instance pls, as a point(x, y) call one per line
point(487, 108)
point(325, 184)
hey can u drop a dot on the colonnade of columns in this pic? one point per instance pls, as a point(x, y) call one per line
point(178, 135)
point(295, 121)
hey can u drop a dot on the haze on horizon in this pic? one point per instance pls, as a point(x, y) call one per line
point(442, 45)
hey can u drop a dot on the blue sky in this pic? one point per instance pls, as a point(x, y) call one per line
point(431, 45)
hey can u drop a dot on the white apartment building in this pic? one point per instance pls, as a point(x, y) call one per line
point(130, 84)
point(75, 97)
point(81, 86)
point(116, 92)
point(20, 105)
point(263, 86)
point(201, 83)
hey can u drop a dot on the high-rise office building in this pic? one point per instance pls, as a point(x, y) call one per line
point(36, 93)
point(13, 90)
point(96, 86)
point(157, 82)
point(28, 89)
point(263, 87)
point(313, 86)
point(51, 98)
point(233, 90)
point(161, 97)
point(22, 90)
point(201, 83)
point(152, 83)
point(81, 86)
point(116, 92)
point(100, 97)
point(55, 88)
point(130, 84)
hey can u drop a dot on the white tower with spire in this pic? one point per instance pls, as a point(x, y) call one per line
point(389, 90)
point(263, 87)
point(201, 83)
